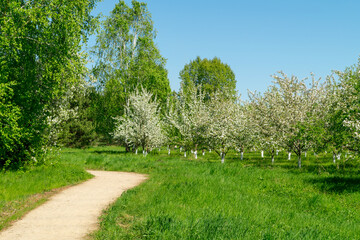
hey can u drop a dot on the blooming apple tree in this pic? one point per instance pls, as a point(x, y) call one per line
point(226, 118)
point(141, 124)
point(297, 105)
point(189, 117)
point(264, 116)
point(348, 105)
point(244, 134)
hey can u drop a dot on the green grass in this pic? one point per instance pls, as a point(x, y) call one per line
point(22, 191)
point(250, 199)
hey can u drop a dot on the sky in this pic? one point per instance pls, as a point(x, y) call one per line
point(256, 38)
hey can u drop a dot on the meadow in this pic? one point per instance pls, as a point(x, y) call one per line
point(186, 198)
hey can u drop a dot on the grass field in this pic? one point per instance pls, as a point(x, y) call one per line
point(250, 199)
point(186, 198)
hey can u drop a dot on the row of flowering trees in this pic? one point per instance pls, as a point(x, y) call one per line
point(293, 115)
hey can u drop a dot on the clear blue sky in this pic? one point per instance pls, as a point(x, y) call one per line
point(256, 38)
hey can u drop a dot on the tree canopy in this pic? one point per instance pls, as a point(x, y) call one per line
point(127, 58)
point(40, 51)
point(212, 75)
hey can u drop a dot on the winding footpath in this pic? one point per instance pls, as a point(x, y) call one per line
point(74, 212)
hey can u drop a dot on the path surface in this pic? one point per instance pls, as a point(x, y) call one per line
point(73, 213)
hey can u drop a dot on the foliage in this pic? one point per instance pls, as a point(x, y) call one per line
point(108, 104)
point(72, 124)
point(140, 125)
point(348, 110)
point(244, 134)
point(10, 132)
point(291, 107)
point(212, 75)
point(40, 44)
point(189, 116)
point(327, 130)
point(265, 117)
point(127, 58)
point(226, 120)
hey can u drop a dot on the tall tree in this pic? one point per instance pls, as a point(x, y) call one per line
point(127, 58)
point(40, 44)
point(212, 75)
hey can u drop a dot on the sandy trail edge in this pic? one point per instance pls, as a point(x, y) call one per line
point(73, 213)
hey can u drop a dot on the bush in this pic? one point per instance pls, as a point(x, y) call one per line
point(10, 133)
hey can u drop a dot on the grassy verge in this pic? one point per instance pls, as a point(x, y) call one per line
point(249, 199)
point(22, 191)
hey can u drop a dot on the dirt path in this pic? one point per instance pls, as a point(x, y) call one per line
point(73, 213)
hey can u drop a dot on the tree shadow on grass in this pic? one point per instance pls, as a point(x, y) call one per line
point(337, 184)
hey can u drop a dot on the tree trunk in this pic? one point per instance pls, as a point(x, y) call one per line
point(289, 156)
point(305, 153)
point(262, 154)
point(195, 153)
point(299, 161)
point(222, 157)
point(272, 159)
point(184, 153)
point(203, 152)
point(334, 157)
point(136, 151)
point(169, 151)
point(134, 45)
point(242, 155)
point(127, 148)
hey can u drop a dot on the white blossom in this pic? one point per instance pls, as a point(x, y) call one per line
point(141, 124)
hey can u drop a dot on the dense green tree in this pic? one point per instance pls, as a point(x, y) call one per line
point(212, 75)
point(72, 124)
point(10, 132)
point(40, 44)
point(127, 58)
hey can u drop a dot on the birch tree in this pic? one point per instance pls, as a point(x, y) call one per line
point(141, 124)
point(126, 57)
